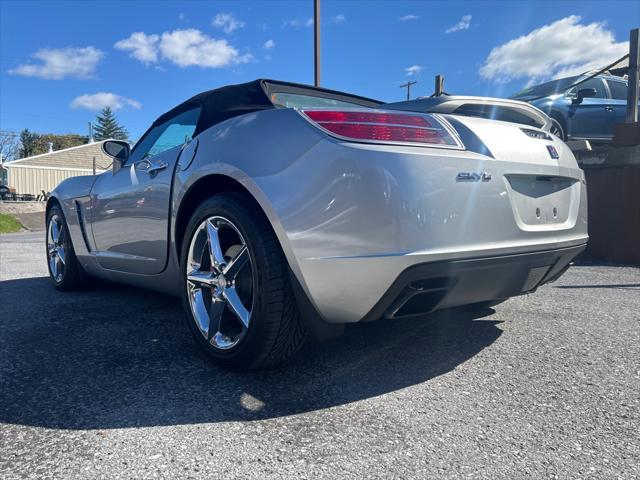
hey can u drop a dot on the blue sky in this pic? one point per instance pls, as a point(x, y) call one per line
point(61, 61)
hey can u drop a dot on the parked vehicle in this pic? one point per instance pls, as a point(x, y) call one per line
point(275, 210)
point(500, 109)
point(584, 111)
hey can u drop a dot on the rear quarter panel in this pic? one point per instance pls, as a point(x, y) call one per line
point(351, 217)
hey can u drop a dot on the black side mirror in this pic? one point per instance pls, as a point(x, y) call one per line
point(119, 150)
point(585, 93)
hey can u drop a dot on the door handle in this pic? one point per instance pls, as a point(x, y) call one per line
point(609, 108)
point(156, 166)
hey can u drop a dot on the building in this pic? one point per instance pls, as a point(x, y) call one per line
point(33, 175)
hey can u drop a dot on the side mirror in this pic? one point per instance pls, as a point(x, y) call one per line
point(119, 150)
point(585, 93)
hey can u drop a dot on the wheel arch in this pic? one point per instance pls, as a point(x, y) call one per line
point(217, 183)
point(51, 202)
point(557, 115)
point(203, 188)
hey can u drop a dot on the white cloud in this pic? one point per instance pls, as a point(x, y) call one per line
point(298, 22)
point(227, 22)
point(463, 24)
point(191, 47)
point(100, 100)
point(406, 18)
point(185, 48)
point(269, 45)
point(562, 48)
point(339, 19)
point(413, 70)
point(59, 63)
point(142, 47)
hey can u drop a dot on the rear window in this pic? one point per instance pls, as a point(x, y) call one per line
point(296, 100)
point(495, 112)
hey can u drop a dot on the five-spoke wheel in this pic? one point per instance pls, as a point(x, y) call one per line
point(237, 295)
point(64, 269)
point(219, 282)
point(55, 247)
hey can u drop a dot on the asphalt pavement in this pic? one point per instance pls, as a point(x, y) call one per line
point(107, 383)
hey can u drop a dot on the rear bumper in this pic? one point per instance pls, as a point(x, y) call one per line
point(352, 217)
point(427, 287)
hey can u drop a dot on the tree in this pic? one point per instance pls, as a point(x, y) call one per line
point(107, 126)
point(33, 143)
point(63, 141)
point(29, 143)
point(9, 146)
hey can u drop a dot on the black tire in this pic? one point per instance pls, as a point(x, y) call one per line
point(558, 128)
point(72, 277)
point(275, 331)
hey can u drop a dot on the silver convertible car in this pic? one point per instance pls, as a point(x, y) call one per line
point(279, 211)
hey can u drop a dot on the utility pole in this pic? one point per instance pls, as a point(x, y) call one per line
point(408, 87)
point(316, 42)
point(634, 60)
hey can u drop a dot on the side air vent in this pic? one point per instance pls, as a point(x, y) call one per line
point(81, 223)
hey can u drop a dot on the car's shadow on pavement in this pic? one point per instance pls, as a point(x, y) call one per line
point(120, 357)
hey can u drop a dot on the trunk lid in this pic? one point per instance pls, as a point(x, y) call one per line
point(541, 176)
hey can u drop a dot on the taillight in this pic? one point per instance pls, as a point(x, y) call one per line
point(384, 127)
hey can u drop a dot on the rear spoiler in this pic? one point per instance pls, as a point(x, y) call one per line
point(497, 108)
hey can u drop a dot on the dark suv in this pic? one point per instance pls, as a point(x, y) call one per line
point(585, 111)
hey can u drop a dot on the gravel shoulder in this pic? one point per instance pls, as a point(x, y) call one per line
point(107, 384)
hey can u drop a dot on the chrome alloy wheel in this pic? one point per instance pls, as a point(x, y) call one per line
point(220, 282)
point(55, 247)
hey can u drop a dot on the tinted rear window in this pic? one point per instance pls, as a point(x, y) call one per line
point(494, 112)
point(296, 100)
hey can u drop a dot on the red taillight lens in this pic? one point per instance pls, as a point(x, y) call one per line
point(383, 126)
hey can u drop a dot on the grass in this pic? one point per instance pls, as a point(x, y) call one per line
point(8, 224)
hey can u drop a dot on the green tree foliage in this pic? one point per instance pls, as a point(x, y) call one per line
point(32, 143)
point(107, 126)
point(29, 144)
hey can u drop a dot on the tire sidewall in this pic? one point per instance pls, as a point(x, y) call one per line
point(249, 348)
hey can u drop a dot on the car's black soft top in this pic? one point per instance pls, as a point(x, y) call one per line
point(233, 100)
